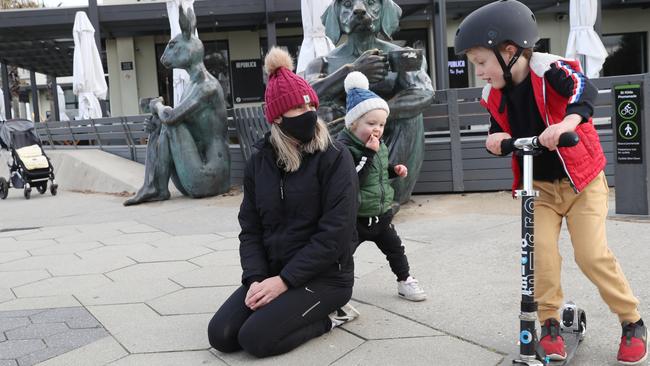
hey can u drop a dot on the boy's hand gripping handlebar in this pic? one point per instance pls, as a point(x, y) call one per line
point(567, 139)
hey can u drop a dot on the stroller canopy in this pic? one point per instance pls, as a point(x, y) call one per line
point(18, 133)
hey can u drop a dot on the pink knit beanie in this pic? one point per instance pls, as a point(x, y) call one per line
point(285, 90)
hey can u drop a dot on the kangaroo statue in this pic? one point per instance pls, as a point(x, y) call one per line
point(187, 143)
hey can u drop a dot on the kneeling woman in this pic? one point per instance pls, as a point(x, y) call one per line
point(297, 222)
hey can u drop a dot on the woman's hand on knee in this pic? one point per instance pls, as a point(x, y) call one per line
point(261, 293)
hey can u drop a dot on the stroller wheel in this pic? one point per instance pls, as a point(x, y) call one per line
point(42, 188)
point(27, 193)
point(4, 188)
point(53, 189)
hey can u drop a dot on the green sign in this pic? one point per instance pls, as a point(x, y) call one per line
point(628, 124)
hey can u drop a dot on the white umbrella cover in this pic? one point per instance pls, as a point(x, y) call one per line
point(315, 43)
point(62, 115)
point(88, 81)
point(2, 105)
point(181, 77)
point(583, 40)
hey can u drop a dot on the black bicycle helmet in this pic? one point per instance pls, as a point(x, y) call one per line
point(495, 23)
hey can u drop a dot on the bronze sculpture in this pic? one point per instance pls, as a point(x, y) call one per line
point(406, 88)
point(187, 143)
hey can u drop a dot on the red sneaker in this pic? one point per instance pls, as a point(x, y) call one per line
point(634, 344)
point(552, 341)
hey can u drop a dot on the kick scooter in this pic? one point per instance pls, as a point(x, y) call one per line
point(574, 320)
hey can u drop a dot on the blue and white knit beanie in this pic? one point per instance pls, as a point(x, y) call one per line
point(360, 99)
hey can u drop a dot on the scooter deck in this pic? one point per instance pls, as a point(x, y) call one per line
point(571, 344)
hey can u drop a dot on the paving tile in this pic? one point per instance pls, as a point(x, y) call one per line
point(40, 262)
point(423, 351)
point(123, 292)
point(110, 252)
point(221, 258)
point(13, 323)
point(6, 294)
point(65, 248)
point(40, 355)
point(13, 279)
point(375, 323)
point(192, 300)
point(144, 271)
point(17, 233)
point(75, 338)
point(174, 253)
point(93, 265)
point(188, 240)
point(49, 233)
point(89, 236)
point(61, 285)
point(105, 226)
point(40, 302)
point(170, 359)
point(37, 331)
point(139, 238)
point(59, 315)
point(319, 351)
point(12, 256)
point(2, 337)
point(15, 349)
point(137, 228)
point(8, 363)
point(17, 245)
point(140, 330)
point(98, 353)
point(224, 244)
point(210, 276)
point(19, 313)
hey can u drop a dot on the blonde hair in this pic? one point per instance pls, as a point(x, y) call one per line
point(290, 150)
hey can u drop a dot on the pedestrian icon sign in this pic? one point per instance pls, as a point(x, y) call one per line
point(628, 130)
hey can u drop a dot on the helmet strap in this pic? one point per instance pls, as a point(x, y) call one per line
point(507, 74)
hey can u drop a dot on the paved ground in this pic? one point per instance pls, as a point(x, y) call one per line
point(85, 281)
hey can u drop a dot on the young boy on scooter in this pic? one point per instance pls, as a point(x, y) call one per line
point(531, 94)
point(364, 126)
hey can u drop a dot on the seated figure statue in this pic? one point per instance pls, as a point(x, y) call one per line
point(407, 90)
point(187, 143)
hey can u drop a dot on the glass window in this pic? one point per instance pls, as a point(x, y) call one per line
point(627, 54)
point(216, 60)
point(290, 43)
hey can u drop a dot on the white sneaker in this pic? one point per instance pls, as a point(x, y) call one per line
point(344, 314)
point(410, 290)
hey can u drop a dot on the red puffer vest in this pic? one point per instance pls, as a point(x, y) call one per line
point(582, 162)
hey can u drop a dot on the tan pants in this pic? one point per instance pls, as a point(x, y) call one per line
point(585, 216)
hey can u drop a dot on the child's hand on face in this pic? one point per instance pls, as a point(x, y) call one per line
point(373, 143)
point(401, 170)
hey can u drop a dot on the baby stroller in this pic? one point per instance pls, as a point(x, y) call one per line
point(30, 166)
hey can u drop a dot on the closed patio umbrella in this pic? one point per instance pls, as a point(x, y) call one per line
point(315, 43)
point(88, 81)
point(583, 40)
point(2, 105)
point(181, 77)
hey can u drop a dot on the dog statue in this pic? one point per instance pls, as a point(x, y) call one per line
point(407, 92)
point(187, 143)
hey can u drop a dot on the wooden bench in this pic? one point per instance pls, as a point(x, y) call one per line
point(251, 125)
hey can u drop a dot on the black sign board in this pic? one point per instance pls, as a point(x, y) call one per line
point(127, 65)
point(247, 81)
point(457, 66)
point(628, 123)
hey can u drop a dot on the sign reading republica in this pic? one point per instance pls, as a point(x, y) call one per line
point(629, 148)
point(247, 81)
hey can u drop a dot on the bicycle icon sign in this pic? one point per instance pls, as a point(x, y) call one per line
point(627, 109)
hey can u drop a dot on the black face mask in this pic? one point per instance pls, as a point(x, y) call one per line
point(302, 127)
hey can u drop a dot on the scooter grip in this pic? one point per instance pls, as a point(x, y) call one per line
point(568, 139)
point(507, 146)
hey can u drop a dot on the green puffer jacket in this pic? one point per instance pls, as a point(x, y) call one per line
point(375, 191)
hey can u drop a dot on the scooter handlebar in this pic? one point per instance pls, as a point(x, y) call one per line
point(567, 139)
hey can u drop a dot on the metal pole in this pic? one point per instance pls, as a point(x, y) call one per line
point(432, 51)
point(55, 98)
point(5, 89)
point(35, 101)
point(271, 37)
point(440, 26)
point(93, 16)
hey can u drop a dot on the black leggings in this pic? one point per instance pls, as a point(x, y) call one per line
point(381, 231)
point(290, 320)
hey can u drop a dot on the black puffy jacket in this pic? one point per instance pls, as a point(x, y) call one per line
point(299, 225)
